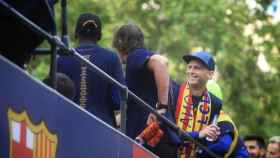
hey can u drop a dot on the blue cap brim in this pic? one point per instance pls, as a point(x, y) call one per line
point(187, 58)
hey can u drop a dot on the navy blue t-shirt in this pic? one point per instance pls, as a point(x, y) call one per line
point(140, 81)
point(93, 92)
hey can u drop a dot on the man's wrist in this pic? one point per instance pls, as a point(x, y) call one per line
point(162, 111)
point(161, 106)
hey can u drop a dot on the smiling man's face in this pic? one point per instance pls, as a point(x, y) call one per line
point(197, 73)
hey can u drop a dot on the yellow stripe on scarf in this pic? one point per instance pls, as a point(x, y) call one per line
point(224, 117)
point(183, 109)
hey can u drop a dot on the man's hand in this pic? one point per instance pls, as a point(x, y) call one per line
point(212, 131)
point(152, 118)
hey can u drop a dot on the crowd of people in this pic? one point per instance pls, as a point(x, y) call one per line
point(257, 148)
point(190, 105)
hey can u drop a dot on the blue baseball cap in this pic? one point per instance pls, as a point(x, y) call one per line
point(205, 57)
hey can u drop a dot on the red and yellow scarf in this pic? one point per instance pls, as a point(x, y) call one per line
point(191, 119)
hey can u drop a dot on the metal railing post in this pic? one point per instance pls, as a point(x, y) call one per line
point(124, 97)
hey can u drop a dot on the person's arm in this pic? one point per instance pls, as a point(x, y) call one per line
point(219, 147)
point(222, 145)
point(158, 65)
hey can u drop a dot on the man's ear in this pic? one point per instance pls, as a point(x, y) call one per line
point(210, 74)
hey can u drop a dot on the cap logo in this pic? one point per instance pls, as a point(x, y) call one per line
point(90, 22)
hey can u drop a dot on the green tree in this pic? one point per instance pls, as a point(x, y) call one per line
point(236, 33)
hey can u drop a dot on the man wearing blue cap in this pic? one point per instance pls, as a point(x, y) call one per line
point(93, 93)
point(196, 107)
point(197, 113)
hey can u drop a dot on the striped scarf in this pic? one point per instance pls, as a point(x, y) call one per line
point(191, 119)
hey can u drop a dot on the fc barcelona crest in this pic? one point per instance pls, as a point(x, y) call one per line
point(28, 140)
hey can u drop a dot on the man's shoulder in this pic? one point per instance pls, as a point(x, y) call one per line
point(138, 59)
point(140, 53)
point(104, 54)
point(94, 48)
point(106, 51)
point(215, 100)
point(110, 54)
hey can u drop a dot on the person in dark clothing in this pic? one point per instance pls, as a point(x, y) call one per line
point(18, 41)
point(94, 93)
point(146, 75)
